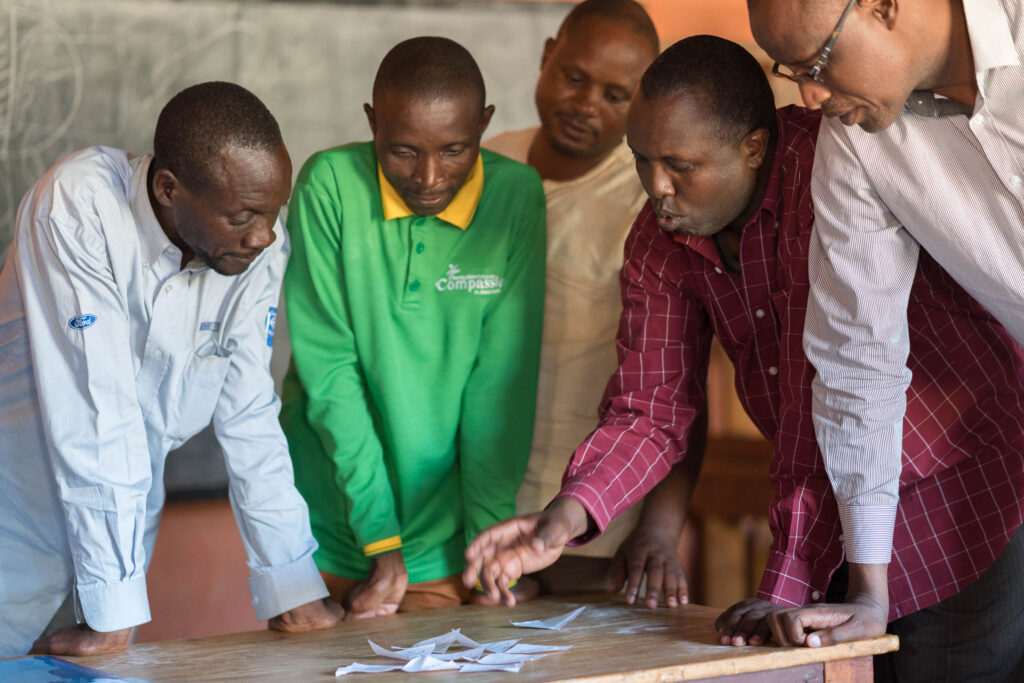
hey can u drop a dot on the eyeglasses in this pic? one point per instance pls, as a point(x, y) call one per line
point(814, 74)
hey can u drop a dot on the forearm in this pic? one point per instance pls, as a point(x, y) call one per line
point(665, 507)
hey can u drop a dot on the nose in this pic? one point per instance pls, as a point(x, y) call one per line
point(428, 172)
point(660, 184)
point(814, 94)
point(262, 235)
point(586, 100)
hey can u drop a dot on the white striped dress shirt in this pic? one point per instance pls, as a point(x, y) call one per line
point(111, 355)
point(951, 185)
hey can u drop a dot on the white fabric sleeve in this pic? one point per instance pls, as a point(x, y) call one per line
point(96, 440)
point(271, 514)
point(861, 265)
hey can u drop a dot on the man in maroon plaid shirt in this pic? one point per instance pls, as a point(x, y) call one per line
point(721, 249)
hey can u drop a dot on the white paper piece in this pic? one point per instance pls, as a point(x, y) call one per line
point(357, 668)
point(407, 654)
point(472, 668)
point(464, 640)
point(503, 658)
point(471, 655)
point(552, 624)
point(441, 643)
point(527, 649)
point(428, 663)
point(500, 645)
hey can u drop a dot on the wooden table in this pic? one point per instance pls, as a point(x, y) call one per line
point(611, 641)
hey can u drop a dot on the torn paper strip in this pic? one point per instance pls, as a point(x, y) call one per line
point(357, 668)
point(473, 668)
point(552, 624)
point(527, 649)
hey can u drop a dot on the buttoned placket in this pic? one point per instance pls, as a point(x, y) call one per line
point(416, 275)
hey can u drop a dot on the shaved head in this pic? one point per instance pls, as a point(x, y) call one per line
point(430, 68)
point(626, 14)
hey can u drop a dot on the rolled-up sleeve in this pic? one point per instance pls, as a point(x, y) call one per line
point(861, 266)
point(271, 514)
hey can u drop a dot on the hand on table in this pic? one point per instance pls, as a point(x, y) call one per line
point(312, 616)
point(507, 550)
point(655, 553)
point(758, 621)
point(82, 641)
point(382, 591)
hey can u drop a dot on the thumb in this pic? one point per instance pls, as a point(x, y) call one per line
point(550, 536)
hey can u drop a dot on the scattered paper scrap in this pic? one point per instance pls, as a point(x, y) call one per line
point(433, 654)
point(552, 624)
point(527, 649)
point(472, 668)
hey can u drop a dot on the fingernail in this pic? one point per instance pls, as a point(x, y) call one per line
point(725, 640)
point(738, 640)
point(686, 600)
point(813, 640)
point(755, 640)
point(672, 602)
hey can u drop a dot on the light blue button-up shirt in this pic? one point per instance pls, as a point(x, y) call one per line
point(111, 355)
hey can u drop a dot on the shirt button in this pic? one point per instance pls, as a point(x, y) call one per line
point(718, 270)
point(773, 370)
point(759, 313)
point(1016, 181)
point(147, 264)
point(979, 120)
point(815, 595)
point(157, 353)
point(168, 289)
point(420, 247)
point(414, 286)
point(420, 221)
point(841, 538)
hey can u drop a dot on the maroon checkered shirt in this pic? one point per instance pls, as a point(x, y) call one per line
point(962, 486)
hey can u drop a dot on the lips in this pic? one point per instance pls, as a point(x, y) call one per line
point(575, 128)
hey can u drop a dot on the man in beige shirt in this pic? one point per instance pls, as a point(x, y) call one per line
point(588, 74)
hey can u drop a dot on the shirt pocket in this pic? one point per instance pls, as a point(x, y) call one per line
point(202, 382)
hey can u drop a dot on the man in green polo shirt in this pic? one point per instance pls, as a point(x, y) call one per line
point(415, 297)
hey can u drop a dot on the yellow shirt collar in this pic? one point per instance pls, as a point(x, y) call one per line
point(459, 212)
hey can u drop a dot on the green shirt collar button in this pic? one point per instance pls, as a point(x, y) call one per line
point(420, 221)
point(420, 248)
point(414, 286)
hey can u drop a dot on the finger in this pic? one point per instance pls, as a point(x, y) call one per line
point(683, 591)
point(507, 596)
point(762, 634)
point(852, 629)
point(786, 627)
point(335, 612)
point(635, 575)
point(673, 583)
point(655, 579)
point(41, 646)
point(747, 626)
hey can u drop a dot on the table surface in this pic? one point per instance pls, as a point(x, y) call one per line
point(611, 641)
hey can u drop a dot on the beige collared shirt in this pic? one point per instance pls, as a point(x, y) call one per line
point(588, 219)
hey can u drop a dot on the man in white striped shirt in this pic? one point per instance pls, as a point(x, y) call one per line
point(137, 303)
point(935, 88)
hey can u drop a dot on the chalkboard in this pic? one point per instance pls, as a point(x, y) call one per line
point(75, 73)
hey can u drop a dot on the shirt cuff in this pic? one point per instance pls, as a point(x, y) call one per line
point(867, 532)
point(275, 590)
point(114, 606)
point(385, 545)
point(792, 582)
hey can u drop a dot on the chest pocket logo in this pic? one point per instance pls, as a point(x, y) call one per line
point(80, 322)
point(474, 284)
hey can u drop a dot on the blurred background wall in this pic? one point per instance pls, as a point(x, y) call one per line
point(75, 73)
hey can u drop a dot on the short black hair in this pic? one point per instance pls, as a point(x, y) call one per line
point(201, 120)
point(626, 13)
point(727, 77)
point(430, 67)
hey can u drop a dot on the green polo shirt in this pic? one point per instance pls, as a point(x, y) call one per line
point(409, 405)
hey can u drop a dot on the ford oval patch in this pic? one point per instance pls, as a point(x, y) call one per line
point(80, 322)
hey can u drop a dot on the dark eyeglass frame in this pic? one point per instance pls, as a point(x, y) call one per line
point(814, 74)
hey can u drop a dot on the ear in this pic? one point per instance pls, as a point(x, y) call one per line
point(485, 118)
point(882, 11)
point(549, 47)
point(371, 117)
point(755, 147)
point(165, 187)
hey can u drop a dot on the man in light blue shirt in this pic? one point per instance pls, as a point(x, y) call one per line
point(137, 304)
